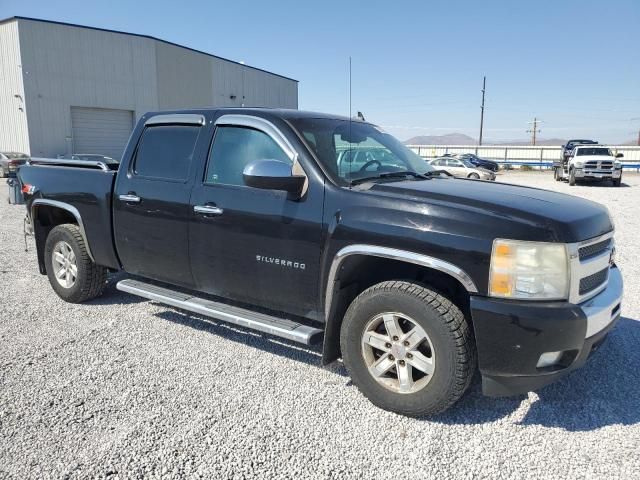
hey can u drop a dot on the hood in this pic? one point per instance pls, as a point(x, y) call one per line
point(597, 158)
point(547, 215)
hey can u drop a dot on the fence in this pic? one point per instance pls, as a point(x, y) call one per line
point(517, 156)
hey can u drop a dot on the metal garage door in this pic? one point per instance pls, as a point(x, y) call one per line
point(101, 130)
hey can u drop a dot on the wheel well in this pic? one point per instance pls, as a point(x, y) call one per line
point(359, 272)
point(46, 217)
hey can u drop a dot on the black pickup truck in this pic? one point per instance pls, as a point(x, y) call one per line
point(415, 279)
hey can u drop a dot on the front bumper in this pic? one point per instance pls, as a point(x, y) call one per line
point(598, 174)
point(512, 335)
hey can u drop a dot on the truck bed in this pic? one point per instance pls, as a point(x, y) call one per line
point(84, 185)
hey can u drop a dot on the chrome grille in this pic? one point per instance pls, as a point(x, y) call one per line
point(589, 264)
point(593, 249)
point(587, 284)
point(599, 165)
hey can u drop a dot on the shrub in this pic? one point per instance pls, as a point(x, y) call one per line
point(526, 168)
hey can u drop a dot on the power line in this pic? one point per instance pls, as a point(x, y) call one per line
point(534, 130)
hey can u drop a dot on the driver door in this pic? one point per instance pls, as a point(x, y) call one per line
point(256, 246)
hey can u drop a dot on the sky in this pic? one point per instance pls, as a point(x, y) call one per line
point(417, 66)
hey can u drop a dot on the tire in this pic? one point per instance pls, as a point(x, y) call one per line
point(572, 177)
point(448, 345)
point(556, 174)
point(474, 176)
point(617, 181)
point(89, 280)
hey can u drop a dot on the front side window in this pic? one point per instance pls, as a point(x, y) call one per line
point(166, 152)
point(235, 147)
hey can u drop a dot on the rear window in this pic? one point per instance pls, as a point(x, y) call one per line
point(166, 151)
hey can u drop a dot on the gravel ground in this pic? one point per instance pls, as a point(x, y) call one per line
point(124, 388)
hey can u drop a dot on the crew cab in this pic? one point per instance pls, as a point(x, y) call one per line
point(591, 162)
point(413, 278)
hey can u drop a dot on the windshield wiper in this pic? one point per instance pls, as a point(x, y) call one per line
point(408, 173)
point(436, 173)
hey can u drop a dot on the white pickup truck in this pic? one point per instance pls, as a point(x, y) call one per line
point(591, 162)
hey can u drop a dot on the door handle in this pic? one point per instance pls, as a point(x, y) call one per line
point(129, 198)
point(207, 210)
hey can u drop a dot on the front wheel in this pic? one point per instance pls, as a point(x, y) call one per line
point(572, 177)
point(617, 181)
point(474, 176)
point(407, 348)
point(72, 273)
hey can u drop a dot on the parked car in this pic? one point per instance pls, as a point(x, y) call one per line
point(591, 162)
point(462, 168)
point(480, 162)
point(412, 277)
point(10, 162)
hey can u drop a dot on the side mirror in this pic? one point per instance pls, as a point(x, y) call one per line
point(619, 155)
point(273, 175)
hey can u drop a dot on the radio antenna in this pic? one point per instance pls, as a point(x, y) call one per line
point(350, 152)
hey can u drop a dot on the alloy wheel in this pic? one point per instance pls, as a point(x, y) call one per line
point(398, 353)
point(64, 264)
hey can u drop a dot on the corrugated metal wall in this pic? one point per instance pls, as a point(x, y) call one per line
point(68, 66)
point(13, 121)
point(76, 67)
point(184, 78)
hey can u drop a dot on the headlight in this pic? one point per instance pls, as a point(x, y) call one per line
point(528, 270)
point(578, 164)
point(617, 165)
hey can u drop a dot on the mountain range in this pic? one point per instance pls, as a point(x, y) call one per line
point(462, 139)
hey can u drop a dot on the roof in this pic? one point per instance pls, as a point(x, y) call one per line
point(9, 19)
point(286, 113)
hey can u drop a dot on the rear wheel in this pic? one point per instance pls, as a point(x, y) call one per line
point(408, 349)
point(556, 174)
point(71, 272)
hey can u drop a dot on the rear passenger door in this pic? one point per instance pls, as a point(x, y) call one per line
point(151, 199)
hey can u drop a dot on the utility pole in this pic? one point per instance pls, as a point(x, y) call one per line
point(484, 83)
point(534, 130)
point(639, 138)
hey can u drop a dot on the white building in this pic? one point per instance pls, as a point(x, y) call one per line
point(73, 89)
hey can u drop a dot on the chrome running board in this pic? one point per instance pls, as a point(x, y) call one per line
point(238, 316)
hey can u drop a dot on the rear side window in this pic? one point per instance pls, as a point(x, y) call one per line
point(233, 148)
point(166, 151)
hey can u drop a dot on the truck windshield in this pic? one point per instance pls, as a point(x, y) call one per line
point(594, 151)
point(350, 151)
